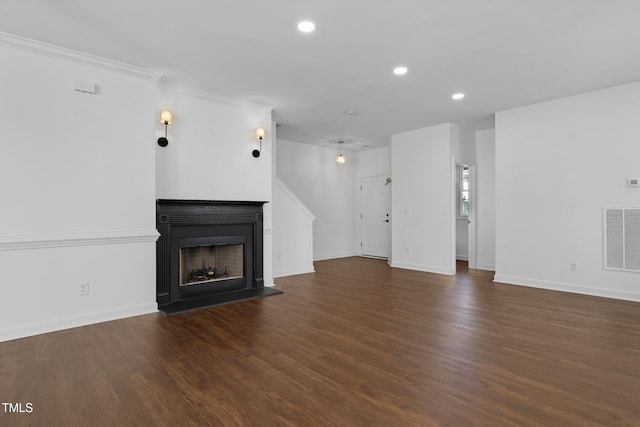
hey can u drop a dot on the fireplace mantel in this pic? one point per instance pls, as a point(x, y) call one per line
point(182, 221)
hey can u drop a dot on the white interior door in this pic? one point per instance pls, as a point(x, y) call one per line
point(375, 216)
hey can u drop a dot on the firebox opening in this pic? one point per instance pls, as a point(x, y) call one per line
point(211, 263)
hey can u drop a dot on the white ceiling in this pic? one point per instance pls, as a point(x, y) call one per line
point(500, 53)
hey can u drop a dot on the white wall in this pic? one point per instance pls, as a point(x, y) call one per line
point(462, 239)
point(485, 200)
point(465, 149)
point(292, 233)
point(557, 164)
point(210, 144)
point(422, 200)
point(463, 144)
point(371, 162)
point(327, 189)
point(209, 153)
point(78, 198)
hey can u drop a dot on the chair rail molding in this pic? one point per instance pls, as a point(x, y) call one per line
point(12, 242)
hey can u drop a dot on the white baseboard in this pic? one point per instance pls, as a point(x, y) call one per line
point(462, 257)
point(293, 272)
point(374, 257)
point(53, 325)
point(567, 287)
point(333, 256)
point(489, 267)
point(425, 268)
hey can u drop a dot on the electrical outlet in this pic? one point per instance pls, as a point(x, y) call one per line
point(573, 266)
point(83, 289)
point(407, 251)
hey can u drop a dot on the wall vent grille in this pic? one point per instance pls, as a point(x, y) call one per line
point(621, 239)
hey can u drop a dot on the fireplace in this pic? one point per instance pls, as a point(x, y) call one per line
point(208, 253)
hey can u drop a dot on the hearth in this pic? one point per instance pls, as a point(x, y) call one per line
point(209, 252)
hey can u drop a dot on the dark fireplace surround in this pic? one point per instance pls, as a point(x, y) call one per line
point(187, 225)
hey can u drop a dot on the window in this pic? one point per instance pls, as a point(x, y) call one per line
point(463, 191)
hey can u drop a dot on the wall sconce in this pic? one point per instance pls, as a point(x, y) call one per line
point(341, 159)
point(260, 135)
point(165, 117)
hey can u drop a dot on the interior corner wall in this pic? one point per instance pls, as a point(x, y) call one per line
point(462, 144)
point(78, 194)
point(292, 233)
point(269, 214)
point(485, 200)
point(558, 163)
point(209, 156)
point(463, 152)
point(326, 189)
point(422, 200)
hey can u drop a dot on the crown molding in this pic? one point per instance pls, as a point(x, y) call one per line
point(74, 56)
point(222, 99)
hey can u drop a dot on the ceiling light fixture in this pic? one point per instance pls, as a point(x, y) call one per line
point(351, 112)
point(400, 71)
point(165, 118)
point(457, 96)
point(341, 159)
point(306, 26)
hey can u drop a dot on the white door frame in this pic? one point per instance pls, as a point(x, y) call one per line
point(473, 216)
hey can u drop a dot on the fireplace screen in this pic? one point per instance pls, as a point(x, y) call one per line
point(211, 263)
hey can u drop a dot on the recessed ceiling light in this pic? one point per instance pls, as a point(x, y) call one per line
point(351, 112)
point(457, 96)
point(306, 26)
point(399, 71)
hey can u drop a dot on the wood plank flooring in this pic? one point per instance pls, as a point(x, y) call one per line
point(354, 344)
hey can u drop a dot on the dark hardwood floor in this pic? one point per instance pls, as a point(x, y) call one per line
point(355, 344)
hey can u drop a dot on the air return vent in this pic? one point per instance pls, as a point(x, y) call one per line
point(621, 239)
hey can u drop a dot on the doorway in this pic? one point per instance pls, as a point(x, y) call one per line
point(462, 212)
point(375, 216)
point(465, 214)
